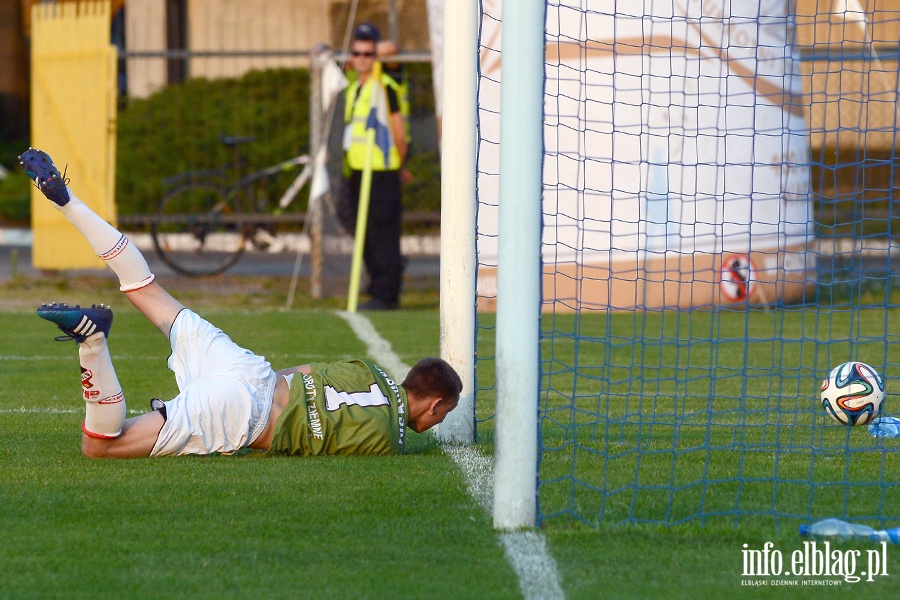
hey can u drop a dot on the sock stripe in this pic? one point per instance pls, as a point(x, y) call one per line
point(115, 250)
point(112, 399)
point(99, 436)
point(136, 286)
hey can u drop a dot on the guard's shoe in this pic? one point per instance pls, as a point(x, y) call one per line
point(76, 322)
point(38, 166)
point(378, 304)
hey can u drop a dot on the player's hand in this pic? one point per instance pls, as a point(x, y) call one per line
point(406, 176)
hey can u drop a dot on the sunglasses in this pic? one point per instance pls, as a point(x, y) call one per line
point(366, 54)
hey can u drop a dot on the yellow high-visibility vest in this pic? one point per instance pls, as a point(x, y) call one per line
point(356, 114)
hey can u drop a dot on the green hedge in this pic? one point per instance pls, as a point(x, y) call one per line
point(15, 188)
point(177, 130)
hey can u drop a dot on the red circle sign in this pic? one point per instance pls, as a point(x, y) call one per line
point(738, 278)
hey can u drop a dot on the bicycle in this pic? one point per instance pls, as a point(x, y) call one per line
point(207, 219)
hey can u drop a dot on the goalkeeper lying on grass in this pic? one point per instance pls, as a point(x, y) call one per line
point(229, 397)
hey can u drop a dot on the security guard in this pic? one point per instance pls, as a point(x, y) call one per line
point(381, 254)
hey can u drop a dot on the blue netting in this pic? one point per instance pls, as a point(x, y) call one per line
point(718, 234)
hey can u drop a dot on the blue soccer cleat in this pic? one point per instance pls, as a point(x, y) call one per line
point(38, 166)
point(76, 322)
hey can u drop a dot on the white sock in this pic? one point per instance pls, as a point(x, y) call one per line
point(105, 404)
point(110, 244)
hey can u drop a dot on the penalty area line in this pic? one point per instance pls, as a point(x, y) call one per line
point(47, 410)
point(156, 357)
point(526, 551)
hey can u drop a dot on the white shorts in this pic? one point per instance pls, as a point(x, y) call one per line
point(225, 392)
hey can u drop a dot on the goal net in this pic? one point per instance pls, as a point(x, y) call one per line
point(717, 235)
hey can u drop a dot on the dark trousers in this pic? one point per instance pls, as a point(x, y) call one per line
point(382, 250)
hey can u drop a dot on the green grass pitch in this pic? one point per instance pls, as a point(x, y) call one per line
point(237, 527)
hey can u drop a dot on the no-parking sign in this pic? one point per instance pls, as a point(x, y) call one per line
point(738, 277)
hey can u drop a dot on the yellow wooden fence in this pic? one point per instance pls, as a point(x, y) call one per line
point(73, 119)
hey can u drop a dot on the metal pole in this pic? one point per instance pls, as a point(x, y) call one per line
point(317, 135)
point(519, 264)
point(393, 21)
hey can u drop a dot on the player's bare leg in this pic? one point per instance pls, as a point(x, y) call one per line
point(89, 327)
point(157, 305)
point(106, 432)
point(110, 244)
point(139, 435)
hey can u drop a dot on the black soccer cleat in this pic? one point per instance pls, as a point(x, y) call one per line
point(76, 322)
point(38, 166)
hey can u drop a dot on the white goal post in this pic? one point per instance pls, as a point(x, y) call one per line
point(458, 208)
point(519, 263)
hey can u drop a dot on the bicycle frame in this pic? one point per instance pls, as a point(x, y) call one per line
point(206, 219)
point(291, 193)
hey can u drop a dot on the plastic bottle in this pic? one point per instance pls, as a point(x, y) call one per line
point(891, 535)
point(837, 529)
point(885, 427)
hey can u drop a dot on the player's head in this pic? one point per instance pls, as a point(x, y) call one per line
point(432, 387)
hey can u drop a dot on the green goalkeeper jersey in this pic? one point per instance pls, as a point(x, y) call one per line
point(347, 407)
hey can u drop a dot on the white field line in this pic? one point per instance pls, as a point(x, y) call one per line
point(74, 357)
point(298, 356)
point(526, 551)
point(46, 410)
point(40, 411)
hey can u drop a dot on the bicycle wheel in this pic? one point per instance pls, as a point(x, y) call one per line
point(192, 230)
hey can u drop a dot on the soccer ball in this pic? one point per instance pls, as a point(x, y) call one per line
point(853, 393)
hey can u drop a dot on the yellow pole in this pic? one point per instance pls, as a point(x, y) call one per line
point(362, 215)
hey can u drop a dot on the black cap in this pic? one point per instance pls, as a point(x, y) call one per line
point(366, 32)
